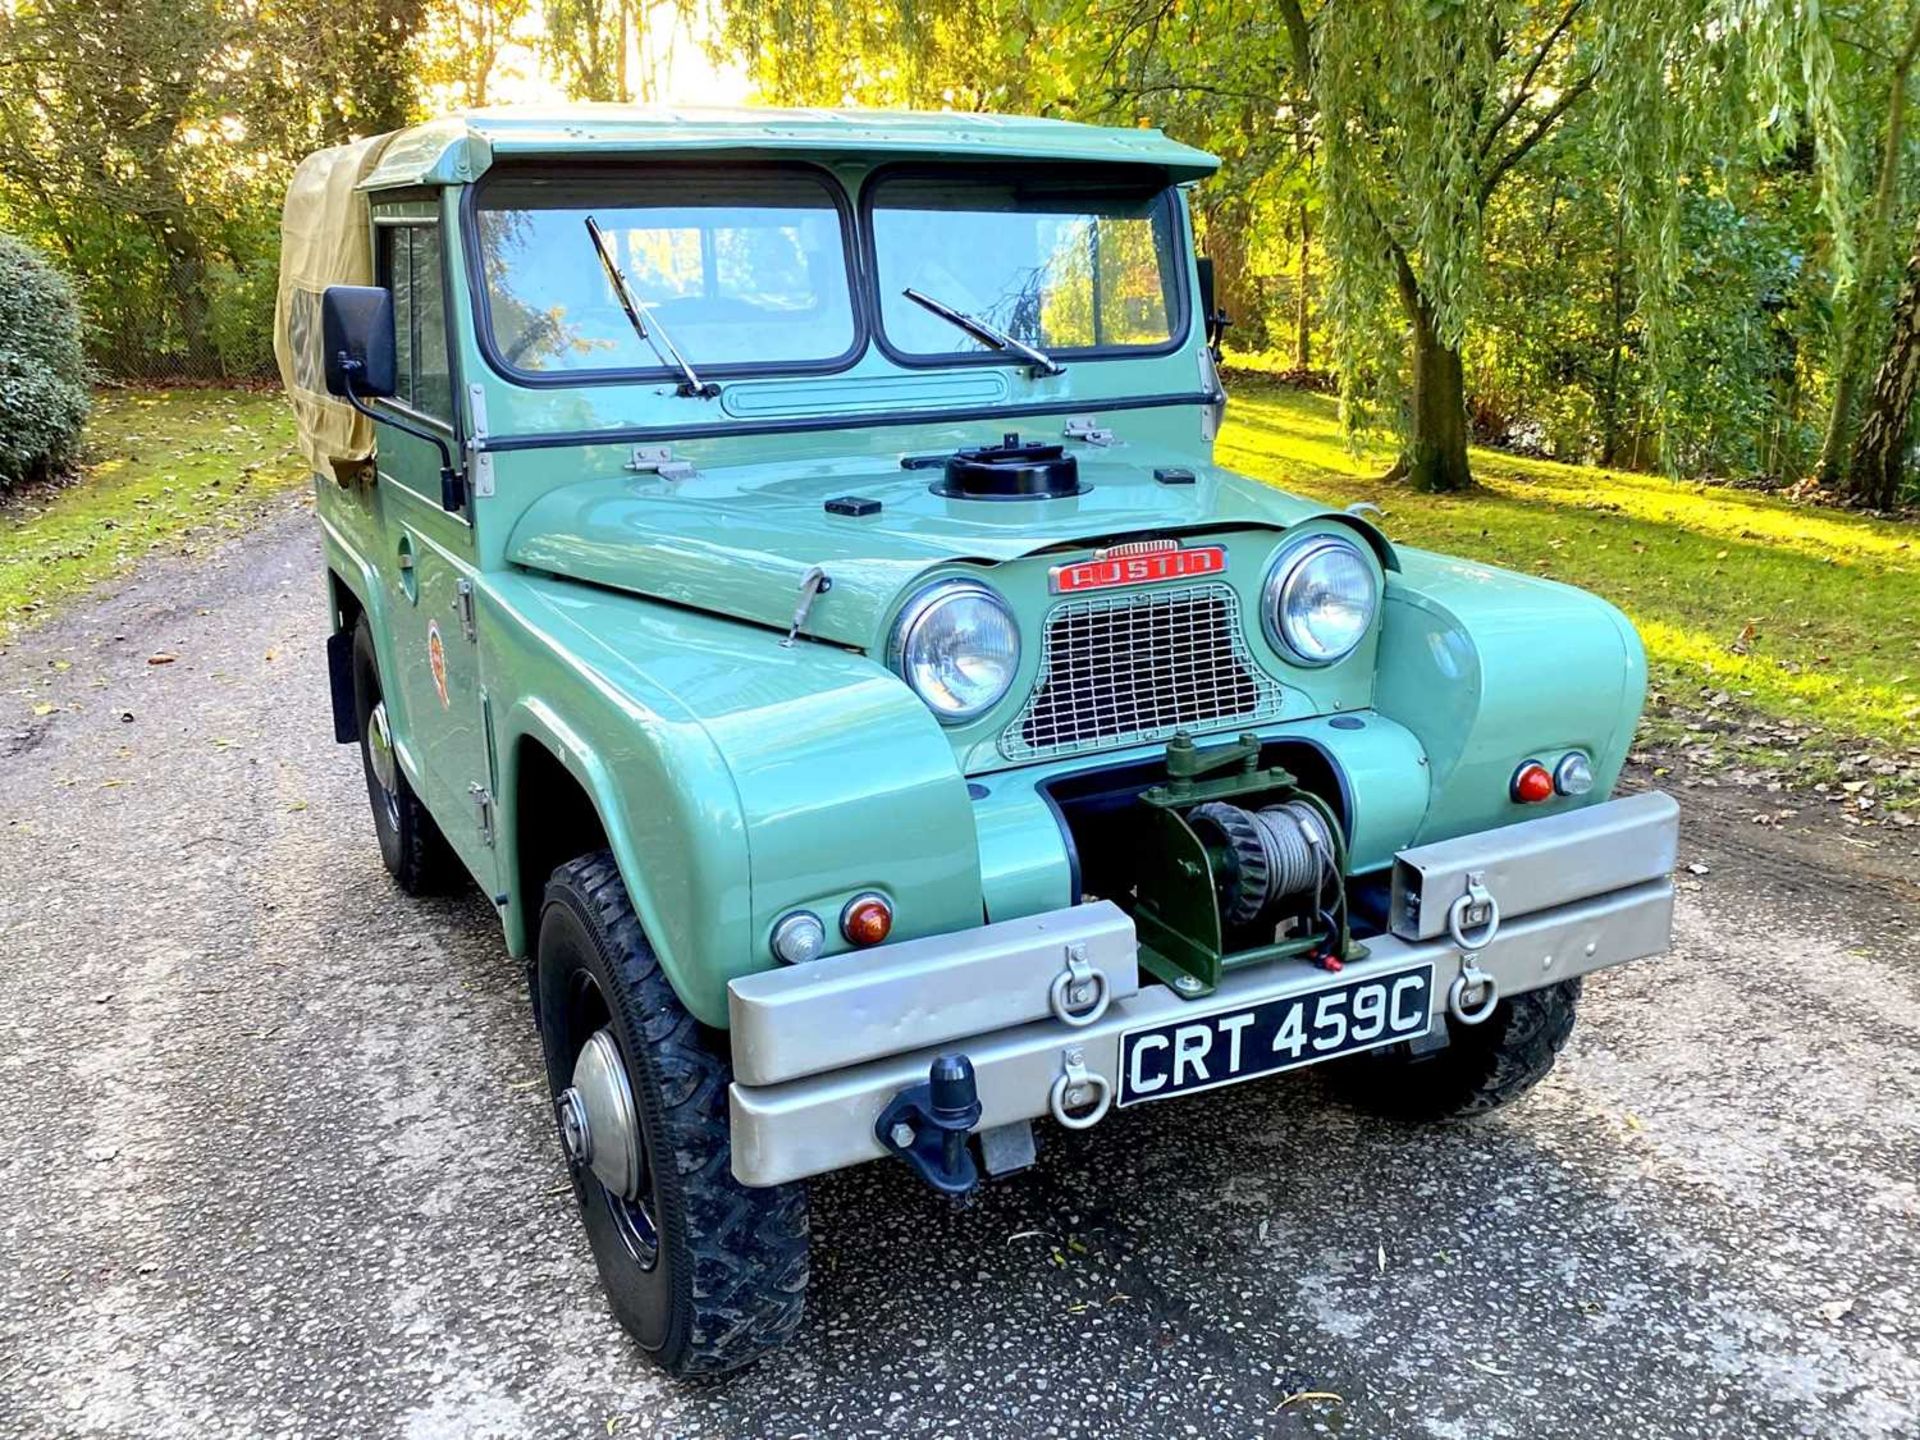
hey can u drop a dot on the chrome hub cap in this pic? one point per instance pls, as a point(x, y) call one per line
point(380, 758)
point(598, 1122)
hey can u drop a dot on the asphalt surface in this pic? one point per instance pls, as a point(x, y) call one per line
point(275, 1159)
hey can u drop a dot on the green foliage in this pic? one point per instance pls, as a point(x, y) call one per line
point(43, 373)
point(240, 313)
point(148, 145)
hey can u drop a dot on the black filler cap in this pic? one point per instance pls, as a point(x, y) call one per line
point(1011, 470)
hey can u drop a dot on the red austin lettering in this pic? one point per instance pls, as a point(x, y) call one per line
point(1150, 569)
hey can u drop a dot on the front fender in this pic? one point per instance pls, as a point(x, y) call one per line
point(736, 778)
point(1489, 668)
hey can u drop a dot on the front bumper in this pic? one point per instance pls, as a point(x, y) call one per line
point(823, 1048)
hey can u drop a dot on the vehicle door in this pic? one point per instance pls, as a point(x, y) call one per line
point(432, 658)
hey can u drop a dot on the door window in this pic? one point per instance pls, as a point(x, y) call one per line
point(410, 268)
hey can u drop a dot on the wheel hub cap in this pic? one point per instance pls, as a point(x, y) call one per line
point(380, 747)
point(598, 1122)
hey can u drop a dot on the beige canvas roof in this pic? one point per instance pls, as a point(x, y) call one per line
point(325, 239)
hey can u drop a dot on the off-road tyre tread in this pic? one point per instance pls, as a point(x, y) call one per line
point(744, 1291)
point(423, 862)
point(1484, 1068)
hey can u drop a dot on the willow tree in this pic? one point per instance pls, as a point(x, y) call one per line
point(1417, 111)
point(1877, 472)
point(1889, 34)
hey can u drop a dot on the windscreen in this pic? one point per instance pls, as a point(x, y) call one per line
point(736, 268)
point(1059, 266)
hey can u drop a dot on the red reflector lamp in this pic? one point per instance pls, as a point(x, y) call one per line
point(867, 920)
point(1532, 783)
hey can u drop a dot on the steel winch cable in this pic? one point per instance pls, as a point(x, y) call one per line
point(1271, 855)
point(1298, 846)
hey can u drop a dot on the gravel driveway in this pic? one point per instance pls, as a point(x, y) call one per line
point(275, 1158)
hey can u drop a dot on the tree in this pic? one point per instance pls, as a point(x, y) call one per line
point(1857, 308)
point(1878, 468)
point(611, 49)
point(148, 145)
point(1416, 115)
point(462, 44)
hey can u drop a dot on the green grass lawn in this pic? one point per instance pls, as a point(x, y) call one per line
point(1809, 617)
point(164, 470)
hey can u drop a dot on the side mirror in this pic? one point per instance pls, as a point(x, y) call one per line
point(1212, 316)
point(356, 335)
point(356, 332)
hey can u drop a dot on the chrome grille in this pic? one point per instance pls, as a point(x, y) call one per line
point(1123, 668)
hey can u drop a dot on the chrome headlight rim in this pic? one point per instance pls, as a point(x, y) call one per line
point(915, 613)
point(1288, 567)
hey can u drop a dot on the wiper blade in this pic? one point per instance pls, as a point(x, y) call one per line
point(656, 336)
point(981, 330)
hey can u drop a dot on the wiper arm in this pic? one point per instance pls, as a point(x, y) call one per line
point(656, 337)
point(981, 330)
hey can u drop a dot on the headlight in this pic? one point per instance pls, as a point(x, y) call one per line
point(957, 645)
point(1320, 599)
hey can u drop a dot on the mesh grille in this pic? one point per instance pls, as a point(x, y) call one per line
point(1126, 668)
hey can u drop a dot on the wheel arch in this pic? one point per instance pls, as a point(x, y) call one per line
point(559, 798)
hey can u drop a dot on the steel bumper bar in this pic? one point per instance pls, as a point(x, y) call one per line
point(806, 1019)
point(800, 1109)
point(825, 1122)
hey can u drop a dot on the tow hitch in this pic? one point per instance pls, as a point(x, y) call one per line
point(927, 1126)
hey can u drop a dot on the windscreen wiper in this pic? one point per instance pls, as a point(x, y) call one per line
point(656, 335)
point(981, 330)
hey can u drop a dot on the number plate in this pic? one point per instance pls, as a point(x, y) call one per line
point(1181, 1056)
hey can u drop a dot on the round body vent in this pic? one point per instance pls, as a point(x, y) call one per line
point(1011, 470)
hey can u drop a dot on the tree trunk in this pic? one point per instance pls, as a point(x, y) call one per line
point(1849, 362)
point(1879, 455)
point(1610, 399)
point(1302, 332)
point(1436, 456)
point(1437, 453)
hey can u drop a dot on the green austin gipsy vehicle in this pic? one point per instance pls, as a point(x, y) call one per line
point(779, 557)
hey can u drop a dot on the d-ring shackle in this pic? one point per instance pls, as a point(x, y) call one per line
point(1079, 984)
point(1472, 979)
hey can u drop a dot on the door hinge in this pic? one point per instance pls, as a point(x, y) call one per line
point(483, 811)
point(479, 459)
point(658, 460)
point(1088, 428)
point(463, 600)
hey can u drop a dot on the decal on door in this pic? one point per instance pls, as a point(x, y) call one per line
point(437, 661)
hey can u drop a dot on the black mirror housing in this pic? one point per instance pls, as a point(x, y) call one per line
point(1211, 315)
point(356, 334)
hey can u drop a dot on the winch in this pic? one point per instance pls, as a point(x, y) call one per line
point(1223, 862)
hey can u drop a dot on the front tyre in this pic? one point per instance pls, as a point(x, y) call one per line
point(1482, 1068)
point(705, 1273)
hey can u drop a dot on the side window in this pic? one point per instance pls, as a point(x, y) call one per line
point(432, 376)
point(410, 268)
